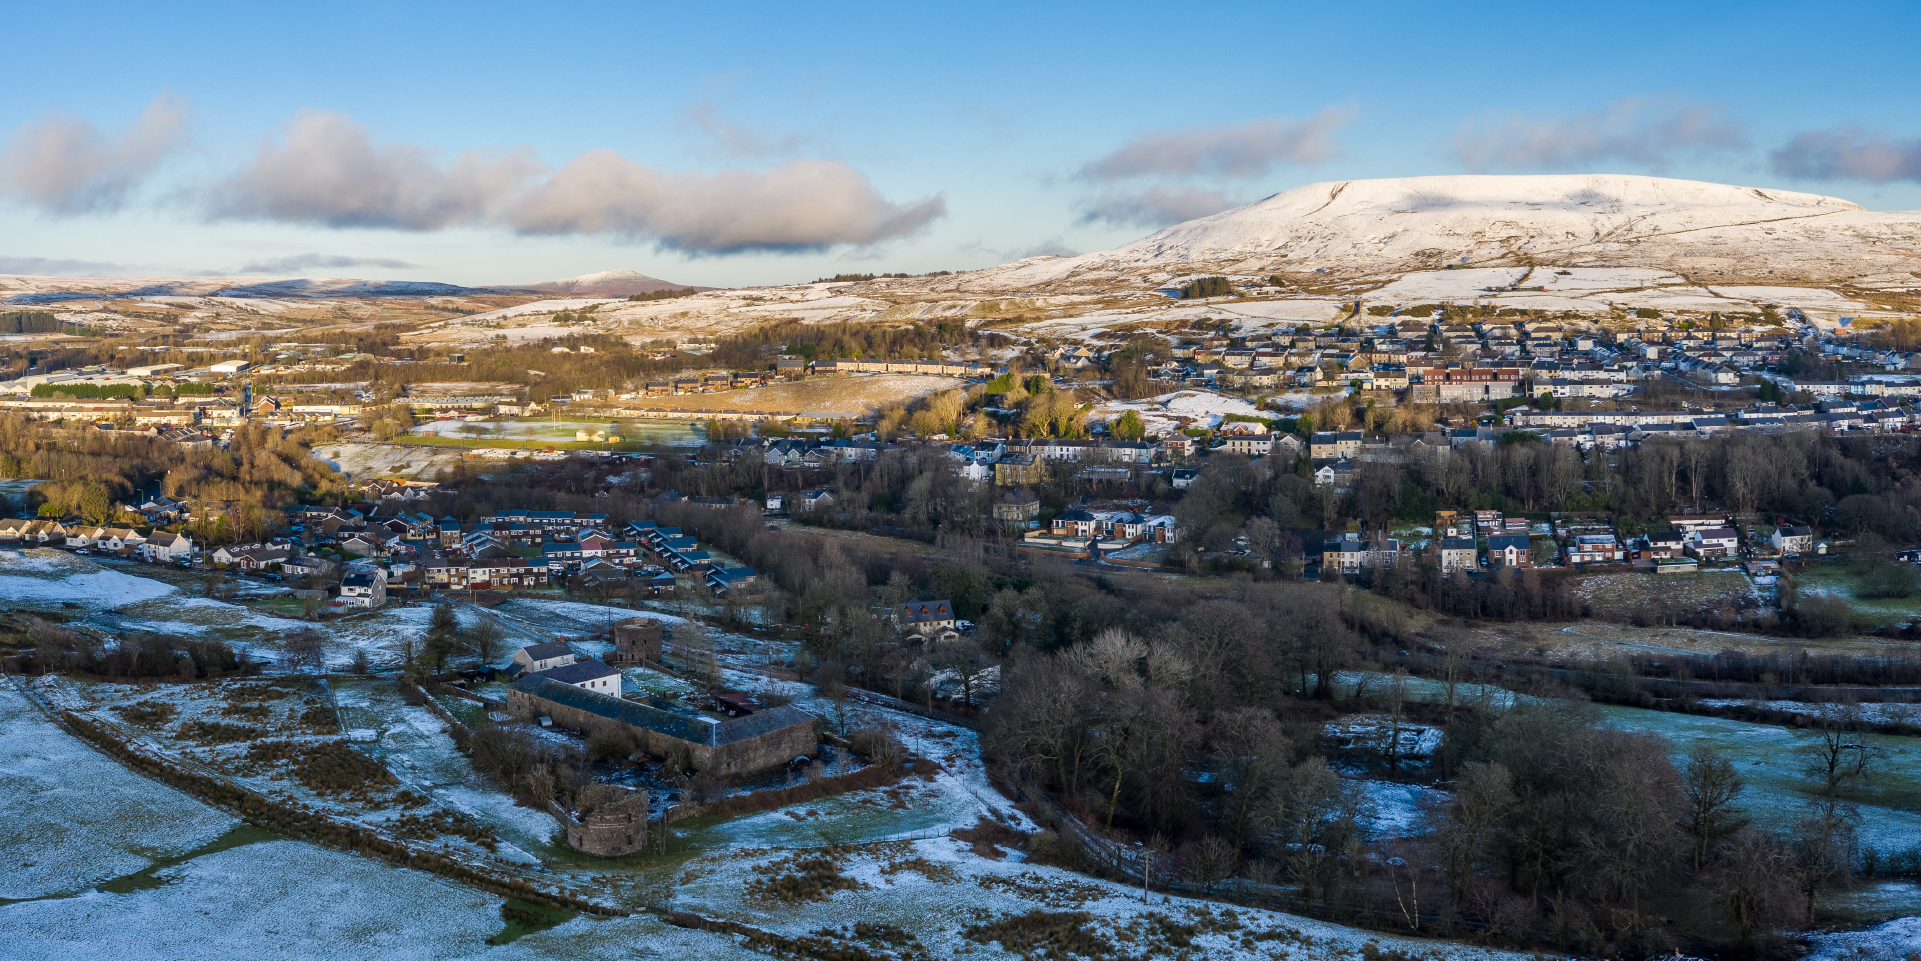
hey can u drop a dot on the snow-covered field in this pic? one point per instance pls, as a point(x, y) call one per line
point(74, 818)
point(270, 898)
point(43, 578)
point(1179, 409)
point(368, 461)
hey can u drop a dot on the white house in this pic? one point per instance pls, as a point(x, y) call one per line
point(1716, 541)
point(82, 536)
point(166, 546)
point(1792, 540)
point(591, 675)
point(255, 558)
point(542, 657)
point(364, 587)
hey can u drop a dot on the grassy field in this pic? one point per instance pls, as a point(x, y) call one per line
point(1617, 596)
point(860, 393)
point(1869, 613)
point(554, 433)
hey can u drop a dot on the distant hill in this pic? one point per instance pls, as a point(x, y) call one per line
point(607, 283)
point(1376, 228)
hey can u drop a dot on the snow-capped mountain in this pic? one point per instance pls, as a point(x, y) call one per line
point(607, 283)
point(1363, 228)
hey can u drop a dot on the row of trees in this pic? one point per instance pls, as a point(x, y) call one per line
point(88, 472)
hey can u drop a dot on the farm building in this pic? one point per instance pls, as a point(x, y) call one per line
point(744, 745)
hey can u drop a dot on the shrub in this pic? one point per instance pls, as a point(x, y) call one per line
point(320, 718)
point(219, 732)
point(150, 714)
point(801, 877)
point(1207, 287)
point(988, 836)
point(1055, 935)
point(329, 768)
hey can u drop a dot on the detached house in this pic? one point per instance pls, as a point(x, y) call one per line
point(165, 546)
point(541, 657)
point(364, 588)
point(1595, 549)
point(1792, 540)
point(1509, 550)
point(923, 616)
point(1716, 542)
point(255, 558)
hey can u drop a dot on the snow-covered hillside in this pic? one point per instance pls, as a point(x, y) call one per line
point(606, 283)
point(26, 289)
point(1372, 227)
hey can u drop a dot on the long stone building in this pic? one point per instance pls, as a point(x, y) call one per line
point(743, 745)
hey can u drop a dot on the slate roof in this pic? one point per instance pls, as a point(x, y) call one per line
point(541, 652)
point(920, 611)
point(576, 672)
point(680, 727)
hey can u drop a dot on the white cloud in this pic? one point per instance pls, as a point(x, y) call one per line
point(1156, 206)
point(736, 140)
point(57, 267)
point(302, 263)
point(327, 170)
point(1643, 130)
point(1848, 154)
point(68, 166)
point(1051, 247)
point(1229, 150)
point(798, 205)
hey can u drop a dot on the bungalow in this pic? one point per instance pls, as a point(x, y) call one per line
point(165, 546)
point(733, 580)
point(541, 657)
point(80, 536)
point(364, 544)
point(255, 558)
point(306, 565)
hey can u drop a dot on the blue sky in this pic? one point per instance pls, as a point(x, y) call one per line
point(749, 144)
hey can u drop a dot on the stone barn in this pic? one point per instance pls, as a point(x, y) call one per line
point(765, 739)
point(608, 821)
point(637, 641)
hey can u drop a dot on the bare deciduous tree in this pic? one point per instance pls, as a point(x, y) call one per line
point(1713, 788)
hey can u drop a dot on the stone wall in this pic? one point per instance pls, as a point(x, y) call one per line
point(610, 821)
point(636, 641)
point(743, 755)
